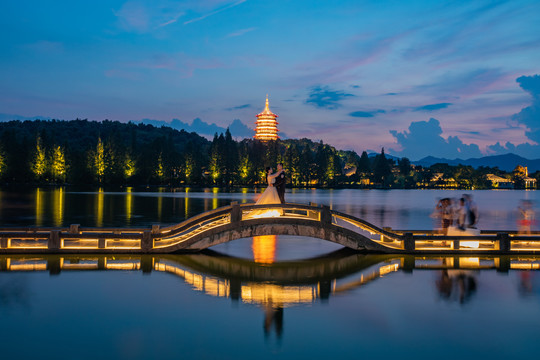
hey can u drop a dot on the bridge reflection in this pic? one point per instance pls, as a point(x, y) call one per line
point(275, 286)
point(283, 284)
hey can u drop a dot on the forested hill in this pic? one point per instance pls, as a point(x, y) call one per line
point(81, 151)
point(110, 152)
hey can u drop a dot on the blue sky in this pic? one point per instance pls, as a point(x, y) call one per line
point(417, 77)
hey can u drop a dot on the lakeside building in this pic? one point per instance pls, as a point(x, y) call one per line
point(521, 174)
point(266, 125)
point(498, 182)
point(438, 180)
point(530, 183)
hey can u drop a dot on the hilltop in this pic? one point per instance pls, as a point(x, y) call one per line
point(506, 162)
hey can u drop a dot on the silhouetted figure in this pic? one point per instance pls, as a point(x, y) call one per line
point(281, 180)
point(472, 211)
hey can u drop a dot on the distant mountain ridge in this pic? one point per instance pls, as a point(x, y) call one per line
point(506, 162)
point(238, 129)
point(9, 117)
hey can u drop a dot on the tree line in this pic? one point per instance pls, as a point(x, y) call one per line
point(111, 152)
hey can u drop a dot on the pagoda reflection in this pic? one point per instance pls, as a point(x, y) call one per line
point(264, 249)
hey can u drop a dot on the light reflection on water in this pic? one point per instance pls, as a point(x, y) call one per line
point(336, 305)
point(399, 209)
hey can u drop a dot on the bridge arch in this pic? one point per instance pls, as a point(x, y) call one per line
point(237, 222)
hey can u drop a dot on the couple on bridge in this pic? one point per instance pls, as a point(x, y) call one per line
point(275, 192)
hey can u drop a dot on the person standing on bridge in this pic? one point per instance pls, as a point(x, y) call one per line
point(281, 180)
point(472, 211)
point(271, 194)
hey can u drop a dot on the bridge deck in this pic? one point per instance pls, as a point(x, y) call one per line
point(246, 220)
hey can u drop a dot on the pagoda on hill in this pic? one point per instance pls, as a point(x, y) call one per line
point(266, 128)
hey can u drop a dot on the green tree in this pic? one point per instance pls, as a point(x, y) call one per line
point(292, 163)
point(381, 168)
point(245, 164)
point(3, 162)
point(129, 166)
point(39, 163)
point(306, 166)
point(97, 158)
point(193, 163)
point(404, 166)
point(160, 169)
point(58, 164)
point(364, 165)
point(230, 158)
point(216, 164)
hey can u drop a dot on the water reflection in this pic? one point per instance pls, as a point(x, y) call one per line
point(39, 207)
point(129, 204)
point(159, 203)
point(264, 249)
point(276, 286)
point(456, 285)
point(100, 199)
point(215, 192)
point(186, 203)
point(398, 209)
point(526, 282)
point(14, 292)
point(58, 206)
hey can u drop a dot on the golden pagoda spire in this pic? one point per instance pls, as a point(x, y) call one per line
point(266, 128)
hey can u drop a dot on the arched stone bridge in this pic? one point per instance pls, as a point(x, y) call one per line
point(247, 220)
point(243, 221)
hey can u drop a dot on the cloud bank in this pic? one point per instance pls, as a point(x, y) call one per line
point(365, 114)
point(424, 139)
point(432, 107)
point(326, 98)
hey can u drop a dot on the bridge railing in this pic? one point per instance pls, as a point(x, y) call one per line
point(80, 239)
point(488, 240)
point(172, 235)
point(289, 210)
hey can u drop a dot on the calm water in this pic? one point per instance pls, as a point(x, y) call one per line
point(141, 207)
point(266, 297)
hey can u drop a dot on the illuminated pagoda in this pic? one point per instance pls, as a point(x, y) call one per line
point(266, 128)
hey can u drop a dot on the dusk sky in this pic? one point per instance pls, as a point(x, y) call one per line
point(443, 78)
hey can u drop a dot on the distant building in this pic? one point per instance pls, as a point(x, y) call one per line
point(530, 183)
point(266, 125)
point(349, 170)
point(521, 174)
point(438, 180)
point(500, 182)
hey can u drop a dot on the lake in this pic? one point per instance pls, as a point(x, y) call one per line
point(266, 297)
